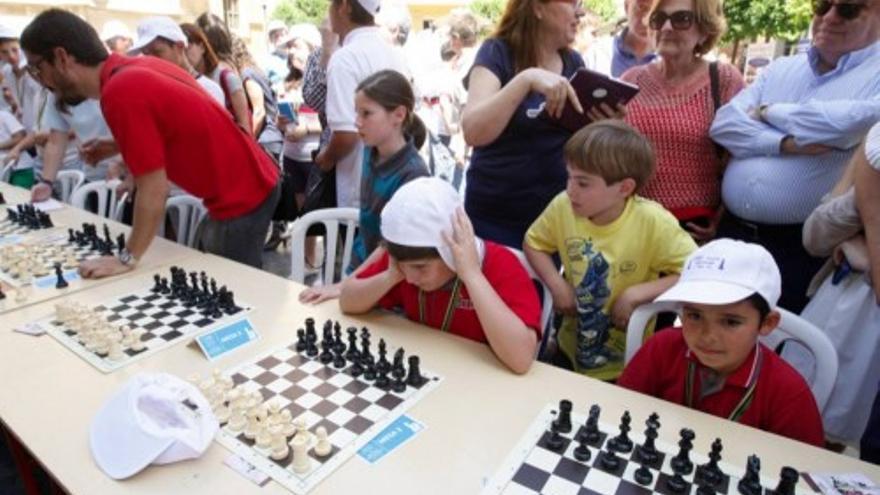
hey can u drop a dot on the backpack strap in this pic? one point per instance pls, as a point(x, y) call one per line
point(715, 87)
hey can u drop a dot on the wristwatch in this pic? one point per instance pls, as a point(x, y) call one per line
point(126, 258)
point(46, 181)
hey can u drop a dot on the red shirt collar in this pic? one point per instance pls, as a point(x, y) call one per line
point(112, 62)
point(743, 375)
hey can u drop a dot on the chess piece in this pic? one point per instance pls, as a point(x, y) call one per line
point(582, 452)
point(676, 484)
point(709, 473)
point(414, 377)
point(382, 380)
point(352, 353)
point(264, 437)
point(369, 368)
point(610, 461)
point(115, 352)
point(302, 429)
point(555, 441)
point(60, 283)
point(252, 428)
point(622, 443)
point(323, 447)
point(750, 484)
point(338, 357)
point(591, 428)
point(21, 294)
point(562, 423)
point(681, 463)
point(788, 479)
point(2, 295)
point(137, 344)
point(398, 385)
point(397, 368)
point(643, 475)
point(647, 452)
point(382, 363)
point(301, 340)
point(302, 463)
point(279, 448)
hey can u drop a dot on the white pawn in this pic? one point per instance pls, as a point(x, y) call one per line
point(280, 449)
point(264, 437)
point(323, 447)
point(301, 429)
point(137, 344)
point(253, 424)
point(302, 463)
point(287, 423)
point(115, 352)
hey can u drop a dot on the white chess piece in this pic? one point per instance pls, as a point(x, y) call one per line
point(115, 351)
point(323, 447)
point(287, 423)
point(264, 436)
point(301, 429)
point(253, 424)
point(302, 463)
point(137, 344)
point(21, 294)
point(280, 449)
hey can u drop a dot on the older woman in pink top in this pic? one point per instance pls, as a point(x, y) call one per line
point(675, 108)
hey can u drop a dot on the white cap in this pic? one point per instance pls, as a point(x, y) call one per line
point(418, 213)
point(147, 423)
point(7, 32)
point(725, 271)
point(371, 6)
point(157, 27)
point(113, 29)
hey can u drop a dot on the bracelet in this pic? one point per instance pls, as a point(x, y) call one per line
point(48, 182)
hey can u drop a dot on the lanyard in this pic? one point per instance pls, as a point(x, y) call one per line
point(450, 308)
point(747, 398)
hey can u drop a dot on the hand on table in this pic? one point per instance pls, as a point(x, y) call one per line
point(41, 192)
point(104, 266)
point(463, 245)
point(317, 295)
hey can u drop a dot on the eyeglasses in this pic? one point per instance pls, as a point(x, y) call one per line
point(34, 68)
point(577, 4)
point(681, 20)
point(846, 11)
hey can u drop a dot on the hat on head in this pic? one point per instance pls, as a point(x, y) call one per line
point(371, 6)
point(113, 29)
point(157, 27)
point(7, 33)
point(726, 271)
point(147, 423)
point(275, 25)
point(419, 212)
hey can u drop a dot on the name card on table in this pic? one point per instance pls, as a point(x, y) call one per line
point(226, 339)
point(393, 436)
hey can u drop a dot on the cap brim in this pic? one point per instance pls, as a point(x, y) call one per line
point(139, 45)
point(705, 292)
point(120, 447)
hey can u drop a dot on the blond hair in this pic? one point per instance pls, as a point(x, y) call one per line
point(709, 19)
point(612, 150)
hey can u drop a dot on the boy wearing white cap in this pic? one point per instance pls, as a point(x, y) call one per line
point(445, 277)
point(714, 363)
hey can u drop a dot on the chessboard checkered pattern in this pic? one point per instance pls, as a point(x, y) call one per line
point(10, 228)
point(351, 409)
point(163, 319)
point(533, 468)
point(41, 252)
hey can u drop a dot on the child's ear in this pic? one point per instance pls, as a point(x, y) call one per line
point(771, 321)
point(627, 186)
point(399, 113)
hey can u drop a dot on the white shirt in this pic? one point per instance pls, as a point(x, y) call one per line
point(87, 123)
point(212, 88)
point(364, 52)
point(25, 90)
point(9, 126)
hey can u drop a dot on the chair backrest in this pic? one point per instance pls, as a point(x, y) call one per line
point(105, 191)
point(791, 328)
point(189, 212)
point(6, 171)
point(331, 218)
point(70, 181)
point(546, 300)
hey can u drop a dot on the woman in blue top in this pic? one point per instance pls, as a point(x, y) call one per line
point(517, 167)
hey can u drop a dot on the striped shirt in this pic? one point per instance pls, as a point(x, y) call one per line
point(835, 109)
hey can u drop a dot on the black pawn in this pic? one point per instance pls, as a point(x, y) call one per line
point(357, 369)
point(643, 475)
point(326, 354)
point(157, 287)
point(591, 429)
point(705, 490)
point(414, 378)
point(582, 452)
point(382, 380)
point(369, 368)
point(562, 423)
point(60, 283)
point(681, 463)
point(555, 442)
point(398, 385)
point(301, 343)
point(622, 443)
point(609, 460)
point(71, 237)
point(338, 358)
point(788, 479)
point(676, 484)
point(750, 484)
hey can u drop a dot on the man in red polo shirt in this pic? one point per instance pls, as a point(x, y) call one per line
point(714, 363)
point(167, 129)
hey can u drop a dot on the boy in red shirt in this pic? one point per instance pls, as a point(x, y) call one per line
point(728, 293)
point(444, 277)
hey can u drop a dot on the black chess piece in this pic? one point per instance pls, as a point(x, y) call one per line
point(750, 484)
point(326, 355)
point(681, 463)
point(311, 347)
point(398, 370)
point(365, 346)
point(357, 369)
point(71, 236)
point(2, 199)
point(338, 358)
point(788, 478)
point(382, 380)
point(398, 385)
point(310, 322)
point(352, 353)
point(338, 344)
point(622, 443)
point(643, 475)
point(369, 368)
point(705, 490)
point(591, 428)
point(709, 473)
point(157, 286)
point(555, 441)
point(610, 461)
point(300, 340)
point(107, 238)
point(647, 452)
point(60, 283)
point(2, 294)
point(414, 378)
point(120, 243)
point(382, 364)
point(676, 484)
point(582, 452)
point(562, 423)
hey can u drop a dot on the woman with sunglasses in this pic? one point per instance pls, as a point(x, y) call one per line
point(517, 166)
point(675, 108)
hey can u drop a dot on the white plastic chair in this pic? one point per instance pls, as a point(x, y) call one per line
point(189, 211)
point(546, 300)
point(791, 328)
point(70, 181)
point(331, 218)
point(6, 171)
point(108, 204)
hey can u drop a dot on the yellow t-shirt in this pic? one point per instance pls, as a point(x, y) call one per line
point(601, 261)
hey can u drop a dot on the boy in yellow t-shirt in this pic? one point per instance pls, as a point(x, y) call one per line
point(614, 245)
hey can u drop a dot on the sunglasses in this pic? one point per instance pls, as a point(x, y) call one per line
point(846, 11)
point(681, 20)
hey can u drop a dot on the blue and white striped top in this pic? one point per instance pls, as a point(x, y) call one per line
point(835, 109)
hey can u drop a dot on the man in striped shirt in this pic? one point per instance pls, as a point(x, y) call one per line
point(792, 132)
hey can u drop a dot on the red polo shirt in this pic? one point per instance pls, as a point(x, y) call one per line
point(161, 117)
point(503, 271)
point(782, 404)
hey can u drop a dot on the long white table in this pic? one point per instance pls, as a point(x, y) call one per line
point(473, 419)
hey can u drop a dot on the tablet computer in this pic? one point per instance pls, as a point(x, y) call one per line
point(593, 88)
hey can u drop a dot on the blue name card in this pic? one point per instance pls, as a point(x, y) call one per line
point(49, 281)
point(394, 435)
point(227, 339)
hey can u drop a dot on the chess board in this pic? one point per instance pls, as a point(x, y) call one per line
point(164, 320)
point(46, 251)
point(353, 410)
point(532, 467)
